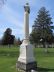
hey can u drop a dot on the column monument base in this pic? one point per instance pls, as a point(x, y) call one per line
point(27, 67)
point(26, 61)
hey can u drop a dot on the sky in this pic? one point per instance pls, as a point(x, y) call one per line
point(12, 15)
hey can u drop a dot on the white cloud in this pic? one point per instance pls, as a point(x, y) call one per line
point(10, 16)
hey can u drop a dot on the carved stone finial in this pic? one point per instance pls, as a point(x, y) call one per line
point(27, 8)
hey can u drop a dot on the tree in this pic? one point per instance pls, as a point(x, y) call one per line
point(42, 28)
point(8, 39)
point(19, 42)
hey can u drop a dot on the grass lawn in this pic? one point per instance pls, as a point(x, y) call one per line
point(8, 59)
point(45, 61)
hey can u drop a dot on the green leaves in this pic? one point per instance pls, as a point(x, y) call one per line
point(42, 28)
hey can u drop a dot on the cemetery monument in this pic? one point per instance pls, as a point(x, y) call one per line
point(26, 60)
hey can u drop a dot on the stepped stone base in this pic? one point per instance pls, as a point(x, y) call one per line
point(27, 67)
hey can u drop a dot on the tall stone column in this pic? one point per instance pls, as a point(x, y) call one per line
point(26, 59)
point(26, 23)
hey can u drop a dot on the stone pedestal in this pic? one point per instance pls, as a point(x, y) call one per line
point(26, 59)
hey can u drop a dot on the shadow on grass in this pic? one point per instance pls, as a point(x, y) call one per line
point(44, 69)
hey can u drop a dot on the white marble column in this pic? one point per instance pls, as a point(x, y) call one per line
point(26, 49)
point(26, 23)
point(26, 59)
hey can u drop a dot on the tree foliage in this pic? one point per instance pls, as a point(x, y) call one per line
point(42, 30)
point(7, 37)
point(19, 41)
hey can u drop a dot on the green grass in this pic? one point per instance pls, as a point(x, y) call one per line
point(45, 60)
point(8, 59)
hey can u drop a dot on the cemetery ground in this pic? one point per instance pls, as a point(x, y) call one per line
point(8, 59)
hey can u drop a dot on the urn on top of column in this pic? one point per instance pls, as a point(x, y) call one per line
point(27, 8)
